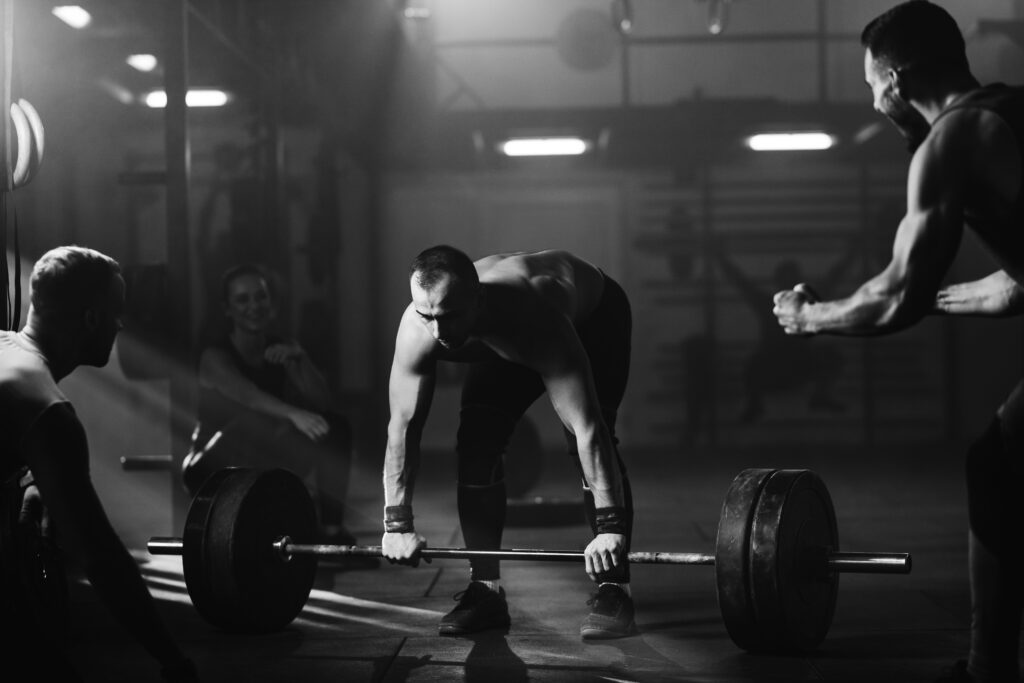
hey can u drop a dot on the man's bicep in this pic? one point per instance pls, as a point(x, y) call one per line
point(929, 235)
point(938, 177)
point(411, 384)
point(926, 244)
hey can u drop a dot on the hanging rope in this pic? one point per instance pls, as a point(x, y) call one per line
point(17, 170)
point(7, 56)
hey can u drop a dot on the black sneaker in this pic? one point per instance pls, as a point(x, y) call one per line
point(479, 609)
point(611, 614)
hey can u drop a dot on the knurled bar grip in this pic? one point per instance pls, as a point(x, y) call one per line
point(844, 562)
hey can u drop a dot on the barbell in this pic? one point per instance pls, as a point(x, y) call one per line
point(249, 558)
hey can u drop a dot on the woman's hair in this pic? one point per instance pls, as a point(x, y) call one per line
point(235, 272)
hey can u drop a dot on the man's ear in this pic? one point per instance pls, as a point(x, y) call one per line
point(898, 78)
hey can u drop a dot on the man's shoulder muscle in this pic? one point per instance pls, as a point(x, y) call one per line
point(413, 344)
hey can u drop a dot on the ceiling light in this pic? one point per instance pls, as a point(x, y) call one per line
point(622, 16)
point(783, 142)
point(412, 9)
point(72, 15)
point(718, 16)
point(417, 13)
point(537, 147)
point(157, 99)
point(142, 62)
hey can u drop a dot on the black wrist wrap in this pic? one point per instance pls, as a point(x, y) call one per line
point(611, 520)
point(398, 519)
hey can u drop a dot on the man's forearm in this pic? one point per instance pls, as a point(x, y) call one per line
point(401, 461)
point(601, 469)
point(869, 311)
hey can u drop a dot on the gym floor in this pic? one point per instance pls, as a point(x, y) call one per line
point(380, 624)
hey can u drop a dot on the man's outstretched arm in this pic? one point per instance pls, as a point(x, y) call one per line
point(926, 242)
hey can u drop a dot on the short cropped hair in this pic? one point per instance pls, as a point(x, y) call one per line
point(71, 278)
point(242, 270)
point(916, 35)
point(436, 263)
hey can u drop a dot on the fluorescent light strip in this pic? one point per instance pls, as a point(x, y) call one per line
point(72, 15)
point(540, 147)
point(785, 142)
point(195, 98)
point(417, 13)
point(144, 63)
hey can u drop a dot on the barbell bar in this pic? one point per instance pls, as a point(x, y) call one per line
point(843, 562)
point(249, 560)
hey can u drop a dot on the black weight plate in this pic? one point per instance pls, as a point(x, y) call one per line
point(732, 562)
point(235, 578)
point(194, 552)
point(794, 598)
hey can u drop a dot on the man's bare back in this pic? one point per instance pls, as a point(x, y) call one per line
point(570, 284)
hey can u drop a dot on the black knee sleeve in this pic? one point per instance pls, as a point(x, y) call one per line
point(482, 516)
point(995, 516)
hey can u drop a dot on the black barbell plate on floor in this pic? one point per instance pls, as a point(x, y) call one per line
point(793, 594)
point(235, 578)
point(194, 550)
point(732, 557)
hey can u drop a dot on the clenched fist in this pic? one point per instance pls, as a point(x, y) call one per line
point(403, 548)
point(604, 553)
point(790, 309)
